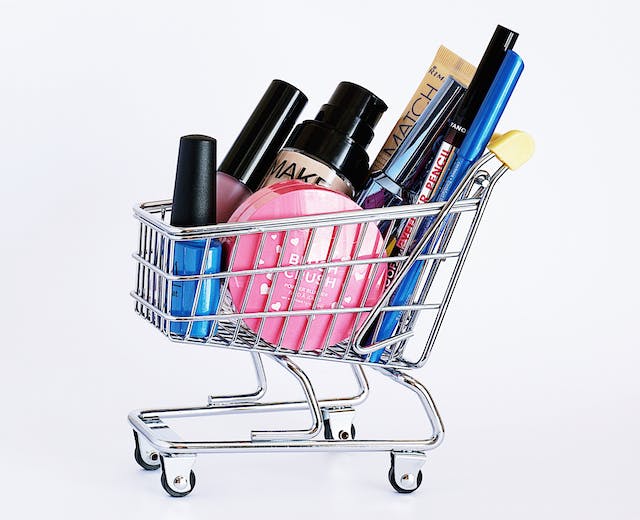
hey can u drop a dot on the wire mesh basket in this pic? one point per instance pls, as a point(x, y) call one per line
point(317, 305)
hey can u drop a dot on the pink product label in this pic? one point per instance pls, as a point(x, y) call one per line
point(322, 288)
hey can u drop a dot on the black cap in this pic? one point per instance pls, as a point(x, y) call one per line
point(503, 39)
point(263, 134)
point(194, 193)
point(341, 131)
point(353, 110)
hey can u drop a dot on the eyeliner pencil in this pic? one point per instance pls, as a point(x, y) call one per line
point(474, 143)
point(503, 40)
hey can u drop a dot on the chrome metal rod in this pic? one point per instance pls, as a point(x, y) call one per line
point(416, 251)
point(464, 252)
point(433, 416)
point(292, 268)
point(274, 314)
point(314, 407)
point(249, 397)
point(160, 437)
point(144, 213)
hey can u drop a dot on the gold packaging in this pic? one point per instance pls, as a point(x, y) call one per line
point(445, 63)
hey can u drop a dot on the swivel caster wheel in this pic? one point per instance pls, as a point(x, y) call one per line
point(338, 424)
point(342, 434)
point(146, 457)
point(178, 479)
point(178, 482)
point(405, 474)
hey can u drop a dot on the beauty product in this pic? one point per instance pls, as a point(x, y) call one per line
point(502, 40)
point(257, 145)
point(330, 150)
point(474, 143)
point(322, 288)
point(405, 170)
point(484, 123)
point(445, 63)
point(194, 198)
point(391, 186)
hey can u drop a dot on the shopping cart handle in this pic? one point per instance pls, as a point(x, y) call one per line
point(513, 148)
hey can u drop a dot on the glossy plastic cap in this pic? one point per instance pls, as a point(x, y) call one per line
point(263, 134)
point(194, 193)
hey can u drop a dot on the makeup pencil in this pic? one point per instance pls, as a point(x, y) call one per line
point(502, 40)
point(472, 146)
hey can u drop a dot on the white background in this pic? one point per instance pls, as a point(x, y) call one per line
point(536, 369)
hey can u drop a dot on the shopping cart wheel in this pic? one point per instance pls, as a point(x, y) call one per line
point(146, 457)
point(343, 435)
point(177, 479)
point(404, 475)
point(338, 424)
point(173, 492)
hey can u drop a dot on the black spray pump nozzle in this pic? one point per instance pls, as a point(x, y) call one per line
point(354, 111)
point(194, 192)
point(341, 132)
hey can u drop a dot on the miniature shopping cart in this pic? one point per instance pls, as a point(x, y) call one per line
point(440, 253)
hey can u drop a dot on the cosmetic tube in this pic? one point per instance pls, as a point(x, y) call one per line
point(194, 198)
point(503, 39)
point(330, 151)
point(474, 143)
point(405, 170)
point(445, 63)
point(392, 185)
point(255, 148)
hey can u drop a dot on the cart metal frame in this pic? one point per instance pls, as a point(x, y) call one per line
point(157, 445)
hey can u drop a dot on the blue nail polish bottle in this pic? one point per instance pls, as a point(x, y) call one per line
point(194, 204)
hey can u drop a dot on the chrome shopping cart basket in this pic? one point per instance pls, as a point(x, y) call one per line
point(438, 257)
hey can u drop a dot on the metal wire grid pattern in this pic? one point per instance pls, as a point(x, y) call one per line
point(155, 276)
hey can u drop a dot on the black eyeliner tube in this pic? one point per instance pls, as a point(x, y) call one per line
point(503, 39)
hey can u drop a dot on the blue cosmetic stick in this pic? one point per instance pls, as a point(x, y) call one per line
point(472, 147)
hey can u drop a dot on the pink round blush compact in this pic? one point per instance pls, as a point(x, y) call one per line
point(328, 288)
